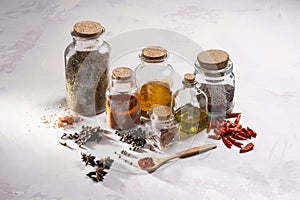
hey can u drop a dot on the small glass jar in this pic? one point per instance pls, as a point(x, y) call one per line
point(87, 68)
point(162, 130)
point(189, 105)
point(154, 78)
point(214, 72)
point(122, 105)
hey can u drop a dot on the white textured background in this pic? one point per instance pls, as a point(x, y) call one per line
point(262, 38)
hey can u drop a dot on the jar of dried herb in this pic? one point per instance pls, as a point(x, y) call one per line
point(86, 68)
point(122, 105)
point(214, 71)
point(154, 78)
point(162, 130)
point(189, 105)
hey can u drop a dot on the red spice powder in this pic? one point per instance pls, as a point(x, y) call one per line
point(146, 162)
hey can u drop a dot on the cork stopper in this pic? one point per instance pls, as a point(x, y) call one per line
point(213, 59)
point(154, 53)
point(122, 73)
point(190, 78)
point(87, 28)
point(162, 112)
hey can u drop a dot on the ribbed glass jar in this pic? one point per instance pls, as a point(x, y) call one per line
point(214, 71)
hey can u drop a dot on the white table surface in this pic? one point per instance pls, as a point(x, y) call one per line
point(262, 38)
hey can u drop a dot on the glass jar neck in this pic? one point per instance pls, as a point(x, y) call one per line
point(123, 85)
point(87, 44)
point(214, 72)
point(188, 84)
point(161, 63)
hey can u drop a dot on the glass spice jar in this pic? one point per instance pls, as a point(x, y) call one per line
point(189, 105)
point(154, 78)
point(86, 68)
point(214, 72)
point(162, 131)
point(122, 104)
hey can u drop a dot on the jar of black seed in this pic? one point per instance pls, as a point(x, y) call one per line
point(214, 71)
point(86, 68)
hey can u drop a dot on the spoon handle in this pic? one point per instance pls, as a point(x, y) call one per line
point(196, 150)
point(192, 151)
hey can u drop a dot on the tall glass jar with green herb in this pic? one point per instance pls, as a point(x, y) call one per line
point(87, 68)
point(189, 105)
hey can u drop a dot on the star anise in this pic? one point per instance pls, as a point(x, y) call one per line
point(100, 166)
point(105, 162)
point(97, 175)
point(88, 159)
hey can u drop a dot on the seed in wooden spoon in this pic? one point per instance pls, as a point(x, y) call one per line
point(145, 163)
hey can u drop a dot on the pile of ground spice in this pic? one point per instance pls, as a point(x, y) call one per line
point(64, 119)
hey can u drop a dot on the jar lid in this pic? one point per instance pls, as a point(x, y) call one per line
point(87, 28)
point(190, 78)
point(213, 59)
point(122, 73)
point(154, 53)
point(162, 112)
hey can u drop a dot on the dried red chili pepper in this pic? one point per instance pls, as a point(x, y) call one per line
point(234, 142)
point(223, 132)
point(247, 148)
point(226, 130)
point(244, 130)
point(214, 136)
point(230, 132)
point(226, 142)
point(227, 124)
point(251, 132)
point(209, 127)
point(231, 124)
point(235, 129)
point(232, 115)
point(237, 120)
point(239, 137)
point(245, 133)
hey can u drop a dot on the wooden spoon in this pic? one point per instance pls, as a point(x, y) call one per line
point(150, 164)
